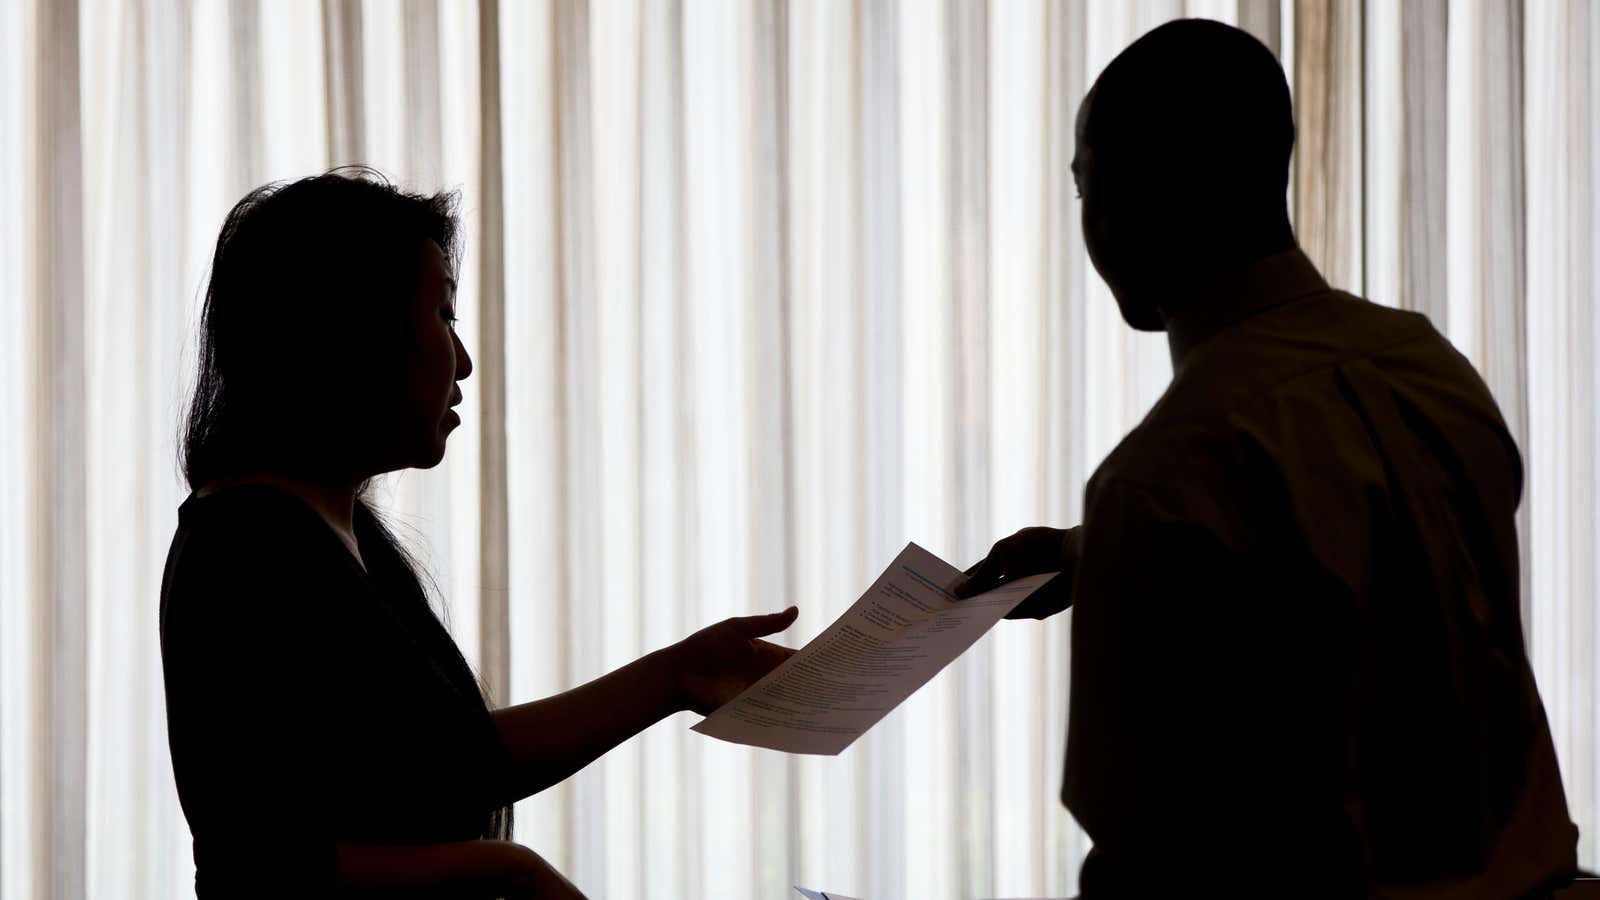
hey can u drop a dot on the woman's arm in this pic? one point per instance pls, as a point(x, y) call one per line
point(548, 740)
point(465, 869)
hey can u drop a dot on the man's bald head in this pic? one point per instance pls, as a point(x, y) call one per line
point(1183, 158)
point(1195, 96)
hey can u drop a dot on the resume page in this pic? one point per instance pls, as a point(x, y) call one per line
point(891, 642)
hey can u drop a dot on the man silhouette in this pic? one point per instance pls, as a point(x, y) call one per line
point(1297, 662)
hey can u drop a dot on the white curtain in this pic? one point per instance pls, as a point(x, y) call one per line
point(757, 292)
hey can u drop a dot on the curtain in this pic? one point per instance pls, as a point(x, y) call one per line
point(757, 292)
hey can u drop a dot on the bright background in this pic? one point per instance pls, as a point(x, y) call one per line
point(757, 292)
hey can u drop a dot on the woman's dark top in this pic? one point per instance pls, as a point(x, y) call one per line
point(309, 701)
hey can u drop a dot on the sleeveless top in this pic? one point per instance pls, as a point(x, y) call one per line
point(311, 701)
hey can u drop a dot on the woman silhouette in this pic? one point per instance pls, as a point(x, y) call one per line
point(327, 736)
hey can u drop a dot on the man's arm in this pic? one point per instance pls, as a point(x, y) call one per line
point(1204, 728)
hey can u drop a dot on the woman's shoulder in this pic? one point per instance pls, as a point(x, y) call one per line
point(244, 520)
point(245, 540)
point(230, 495)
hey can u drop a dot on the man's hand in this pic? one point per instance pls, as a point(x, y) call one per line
point(1030, 551)
point(718, 663)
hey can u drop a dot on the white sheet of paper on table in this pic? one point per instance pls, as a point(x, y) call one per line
point(810, 894)
point(891, 642)
point(819, 895)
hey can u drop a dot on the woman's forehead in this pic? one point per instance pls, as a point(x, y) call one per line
point(436, 269)
point(433, 258)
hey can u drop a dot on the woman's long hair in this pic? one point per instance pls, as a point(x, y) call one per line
point(306, 322)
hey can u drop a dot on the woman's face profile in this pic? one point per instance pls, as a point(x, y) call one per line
point(438, 362)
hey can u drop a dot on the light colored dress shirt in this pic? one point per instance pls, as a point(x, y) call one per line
point(1297, 660)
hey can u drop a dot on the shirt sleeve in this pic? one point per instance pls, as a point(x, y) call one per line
point(1189, 750)
point(245, 685)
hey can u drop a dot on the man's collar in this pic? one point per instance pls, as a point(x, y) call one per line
point(1239, 294)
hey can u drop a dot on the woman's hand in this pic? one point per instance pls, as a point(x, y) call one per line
point(548, 740)
point(531, 878)
point(716, 664)
point(476, 869)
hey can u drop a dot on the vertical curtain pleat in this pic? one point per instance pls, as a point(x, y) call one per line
point(19, 54)
point(1066, 464)
point(1327, 81)
point(826, 308)
point(56, 685)
point(1124, 370)
point(579, 375)
point(1016, 355)
point(1382, 152)
point(242, 19)
point(463, 521)
point(771, 833)
point(341, 61)
point(884, 442)
point(967, 66)
point(755, 293)
point(1585, 684)
point(1264, 19)
point(494, 565)
point(538, 537)
point(614, 97)
point(927, 416)
point(1562, 182)
point(1485, 236)
point(667, 517)
point(1424, 110)
point(136, 60)
point(292, 95)
point(157, 860)
point(716, 174)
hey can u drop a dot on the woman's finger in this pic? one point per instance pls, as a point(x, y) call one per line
point(771, 623)
point(774, 653)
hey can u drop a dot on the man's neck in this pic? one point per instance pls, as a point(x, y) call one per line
point(1236, 293)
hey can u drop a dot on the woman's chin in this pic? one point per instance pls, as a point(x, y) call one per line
point(429, 451)
point(432, 454)
point(432, 458)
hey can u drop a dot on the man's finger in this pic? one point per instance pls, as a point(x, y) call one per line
point(982, 577)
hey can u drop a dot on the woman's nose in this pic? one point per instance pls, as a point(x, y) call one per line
point(463, 360)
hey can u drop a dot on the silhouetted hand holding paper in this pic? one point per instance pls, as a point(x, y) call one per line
point(719, 662)
point(1030, 551)
point(902, 631)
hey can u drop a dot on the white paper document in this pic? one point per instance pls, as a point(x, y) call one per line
point(819, 895)
point(902, 631)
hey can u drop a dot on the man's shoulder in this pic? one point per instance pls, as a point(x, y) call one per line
point(1176, 451)
point(1303, 337)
